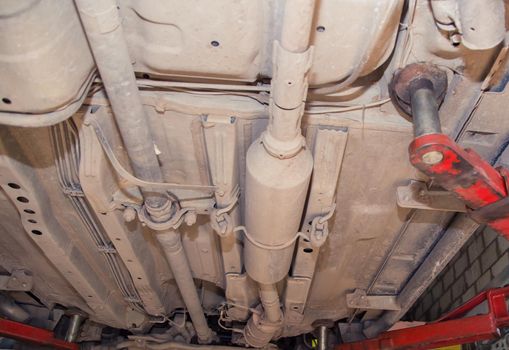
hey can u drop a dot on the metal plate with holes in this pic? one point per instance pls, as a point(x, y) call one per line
point(19, 281)
point(360, 300)
point(416, 195)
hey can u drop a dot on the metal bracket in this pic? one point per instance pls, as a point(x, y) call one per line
point(123, 173)
point(320, 228)
point(173, 222)
point(360, 300)
point(417, 196)
point(19, 281)
point(220, 219)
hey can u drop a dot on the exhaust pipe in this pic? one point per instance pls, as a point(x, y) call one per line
point(278, 170)
point(102, 26)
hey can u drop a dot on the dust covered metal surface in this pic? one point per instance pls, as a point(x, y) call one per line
point(233, 172)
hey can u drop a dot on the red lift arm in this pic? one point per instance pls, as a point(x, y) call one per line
point(418, 90)
point(481, 187)
point(25, 333)
point(448, 330)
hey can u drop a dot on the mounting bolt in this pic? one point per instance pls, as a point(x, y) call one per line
point(432, 157)
point(455, 39)
point(190, 218)
point(129, 214)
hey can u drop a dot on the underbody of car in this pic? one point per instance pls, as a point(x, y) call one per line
point(179, 174)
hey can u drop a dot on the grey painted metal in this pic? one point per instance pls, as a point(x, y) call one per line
point(384, 12)
point(147, 185)
point(323, 338)
point(59, 247)
point(73, 331)
point(458, 232)
point(278, 170)
point(130, 245)
point(106, 38)
point(11, 310)
point(480, 23)
point(483, 23)
point(328, 147)
point(270, 300)
point(416, 195)
point(172, 245)
point(104, 32)
point(220, 138)
point(425, 110)
point(359, 299)
point(38, 120)
point(18, 280)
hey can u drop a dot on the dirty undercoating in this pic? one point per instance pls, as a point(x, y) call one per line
point(204, 82)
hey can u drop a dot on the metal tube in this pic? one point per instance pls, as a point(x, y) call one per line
point(10, 309)
point(270, 301)
point(292, 58)
point(424, 109)
point(279, 158)
point(323, 335)
point(74, 328)
point(172, 245)
point(297, 25)
point(104, 32)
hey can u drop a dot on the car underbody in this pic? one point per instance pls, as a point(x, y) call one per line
point(233, 172)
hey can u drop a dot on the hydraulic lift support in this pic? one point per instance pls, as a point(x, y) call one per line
point(448, 330)
point(25, 333)
point(418, 89)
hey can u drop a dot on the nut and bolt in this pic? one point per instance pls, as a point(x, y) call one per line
point(190, 218)
point(455, 39)
point(432, 157)
point(129, 214)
